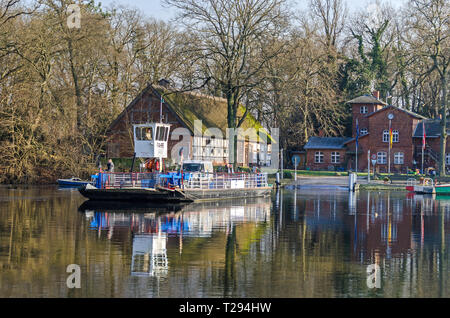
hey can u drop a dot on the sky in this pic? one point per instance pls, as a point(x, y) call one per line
point(154, 8)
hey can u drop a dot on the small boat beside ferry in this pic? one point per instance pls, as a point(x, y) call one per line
point(427, 186)
point(73, 183)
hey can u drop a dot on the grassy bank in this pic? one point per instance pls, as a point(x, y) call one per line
point(382, 187)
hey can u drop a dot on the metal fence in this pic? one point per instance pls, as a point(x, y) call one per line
point(226, 181)
point(127, 180)
point(191, 181)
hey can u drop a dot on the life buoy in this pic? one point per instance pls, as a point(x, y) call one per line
point(152, 165)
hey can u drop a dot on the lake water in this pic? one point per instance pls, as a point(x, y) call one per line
point(307, 243)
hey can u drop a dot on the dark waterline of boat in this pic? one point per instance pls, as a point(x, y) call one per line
point(304, 243)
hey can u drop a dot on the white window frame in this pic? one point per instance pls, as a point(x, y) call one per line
point(399, 158)
point(386, 135)
point(335, 157)
point(364, 109)
point(395, 136)
point(381, 155)
point(363, 131)
point(319, 157)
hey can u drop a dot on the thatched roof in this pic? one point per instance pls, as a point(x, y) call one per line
point(210, 110)
point(191, 106)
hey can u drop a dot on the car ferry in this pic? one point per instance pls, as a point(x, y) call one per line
point(196, 180)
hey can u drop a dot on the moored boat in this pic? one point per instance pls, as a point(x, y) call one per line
point(427, 186)
point(73, 182)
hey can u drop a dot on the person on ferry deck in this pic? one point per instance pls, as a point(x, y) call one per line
point(110, 166)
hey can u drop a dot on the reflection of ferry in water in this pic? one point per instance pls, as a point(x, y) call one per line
point(152, 229)
point(149, 255)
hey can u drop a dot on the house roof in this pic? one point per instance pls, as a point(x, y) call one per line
point(191, 106)
point(432, 128)
point(413, 114)
point(366, 99)
point(350, 140)
point(326, 142)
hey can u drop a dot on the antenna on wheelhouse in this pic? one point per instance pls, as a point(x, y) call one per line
point(164, 83)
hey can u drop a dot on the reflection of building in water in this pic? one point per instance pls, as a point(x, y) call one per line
point(381, 224)
point(196, 220)
point(149, 255)
point(153, 233)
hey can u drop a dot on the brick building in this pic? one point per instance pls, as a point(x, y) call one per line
point(375, 118)
point(183, 110)
point(326, 153)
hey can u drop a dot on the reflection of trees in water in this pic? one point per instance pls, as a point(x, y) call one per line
point(308, 251)
point(45, 235)
point(313, 253)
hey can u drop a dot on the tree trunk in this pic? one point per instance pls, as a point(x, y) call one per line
point(443, 125)
point(76, 85)
point(231, 120)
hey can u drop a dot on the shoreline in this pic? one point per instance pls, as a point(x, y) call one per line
point(339, 182)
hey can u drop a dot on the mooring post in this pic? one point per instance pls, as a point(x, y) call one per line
point(132, 163)
point(352, 178)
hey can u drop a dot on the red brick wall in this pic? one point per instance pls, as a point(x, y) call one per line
point(402, 122)
point(362, 119)
point(310, 159)
point(362, 150)
point(435, 144)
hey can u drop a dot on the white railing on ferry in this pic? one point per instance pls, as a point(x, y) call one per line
point(225, 181)
point(195, 181)
point(128, 180)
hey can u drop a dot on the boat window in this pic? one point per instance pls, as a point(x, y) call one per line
point(192, 167)
point(137, 133)
point(160, 133)
point(148, 133)
point(144, 133)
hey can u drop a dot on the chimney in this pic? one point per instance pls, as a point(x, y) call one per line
point(376, 94)
point(321, 133)
point(164, 83)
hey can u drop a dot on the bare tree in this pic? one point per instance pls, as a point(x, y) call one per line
point(332, 16)
point(430, 26)
point(230, 36)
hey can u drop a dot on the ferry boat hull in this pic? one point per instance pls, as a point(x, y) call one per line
point(164, 195)
point(134, 194)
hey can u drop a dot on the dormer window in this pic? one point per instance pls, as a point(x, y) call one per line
point(364, 110)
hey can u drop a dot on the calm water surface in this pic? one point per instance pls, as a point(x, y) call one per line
point(307, 243)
